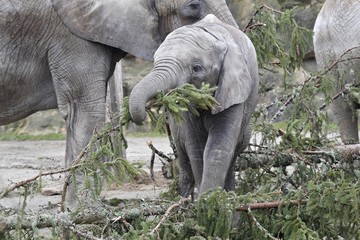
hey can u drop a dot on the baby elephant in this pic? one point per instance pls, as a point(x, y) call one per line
point(216, 53)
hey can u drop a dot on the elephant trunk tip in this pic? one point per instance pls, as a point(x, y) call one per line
point(138, 115)
point(137, 111)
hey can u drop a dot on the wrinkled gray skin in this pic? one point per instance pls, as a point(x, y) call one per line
point(336, 31)
point(61, 53)
point(223, 56)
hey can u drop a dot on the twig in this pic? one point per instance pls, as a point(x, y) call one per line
point(67, 179)
point(167, 213)
point(161, 154)
point(268, 205)
point(171, 140)
point(251, 26)
point(24, 182)
point(341, 93)
point(123, 221)
point(152, 165)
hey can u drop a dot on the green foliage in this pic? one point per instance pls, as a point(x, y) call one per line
point(187, 98)
point(175, 102)
point(215, 213)
point(278, 39)
point(105, 145)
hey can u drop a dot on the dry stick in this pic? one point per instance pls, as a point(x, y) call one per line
point(167, 213)
point(171, 140)
point(67, 180)
point(161, 154)
point(16, 185)
point(24, 182)
point(268, 205)
point(152, 165)
point(251, 26)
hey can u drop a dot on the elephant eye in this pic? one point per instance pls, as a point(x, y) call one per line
point(192, 9)
point(194, 6)
point(197, 68)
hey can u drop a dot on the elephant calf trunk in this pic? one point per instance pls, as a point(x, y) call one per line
point(146, 89)
point(137, 106)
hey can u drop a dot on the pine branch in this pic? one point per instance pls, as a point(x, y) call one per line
point(336, 154)
point(298, 91)
point(259, 226)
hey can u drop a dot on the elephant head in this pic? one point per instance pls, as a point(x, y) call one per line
point(203, 52)
point(135, 26)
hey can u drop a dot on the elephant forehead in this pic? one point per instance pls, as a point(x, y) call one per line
point(187, 42)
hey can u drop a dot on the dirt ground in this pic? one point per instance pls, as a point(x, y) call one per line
point(20, 160)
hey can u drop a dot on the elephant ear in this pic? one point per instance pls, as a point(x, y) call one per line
point(235, 82)
point(115, 23)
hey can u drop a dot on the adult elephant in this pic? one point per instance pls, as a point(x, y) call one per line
point(207, 145)
point(61, 53)
point(337, 34)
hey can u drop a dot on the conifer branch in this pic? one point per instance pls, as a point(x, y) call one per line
point(298, 91)
point(259, 226)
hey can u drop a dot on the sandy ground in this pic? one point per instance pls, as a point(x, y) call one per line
point(20, 160)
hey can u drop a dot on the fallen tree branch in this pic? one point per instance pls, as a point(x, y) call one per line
point(67, 219)
point(342, 154)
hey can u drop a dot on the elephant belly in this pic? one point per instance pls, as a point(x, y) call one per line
point(26, 31)
point(24, 94)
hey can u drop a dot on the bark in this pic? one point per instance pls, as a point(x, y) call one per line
point(344, 156)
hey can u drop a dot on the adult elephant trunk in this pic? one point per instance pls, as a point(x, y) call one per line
point(147, 88)
point(221, 10)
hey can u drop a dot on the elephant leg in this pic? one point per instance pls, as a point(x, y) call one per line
point(243, 143)
point(220, 149)
point(346, 119)
point(79, 78)
point(186, 177)
point(195, 144)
